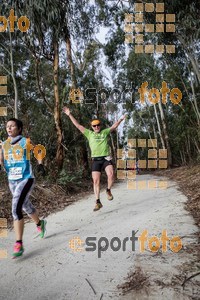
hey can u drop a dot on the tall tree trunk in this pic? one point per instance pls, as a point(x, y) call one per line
point(149, 134)
point(151, 121)
point(193, 60)
point(187, 144)
point(57, 114)
point(182, 159)
point(196, 109)
point(83, 149)
point(194, 105)
point(84, 159)
point(12, 74)
point(196, 145)
point(70, 60)
point(159, 128)
point(194, 65)
point(166, 136)
point(13, 77)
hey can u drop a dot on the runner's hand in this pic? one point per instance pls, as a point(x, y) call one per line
point(66, 110)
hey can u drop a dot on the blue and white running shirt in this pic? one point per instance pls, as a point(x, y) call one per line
point(16, 164)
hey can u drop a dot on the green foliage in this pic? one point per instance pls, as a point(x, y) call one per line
point(54, 21)
point(66, 178)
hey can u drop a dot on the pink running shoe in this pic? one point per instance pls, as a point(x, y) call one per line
point(18, 250)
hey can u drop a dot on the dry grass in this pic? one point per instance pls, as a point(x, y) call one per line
point(136, 280)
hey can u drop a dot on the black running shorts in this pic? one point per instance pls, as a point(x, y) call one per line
point(101, 164)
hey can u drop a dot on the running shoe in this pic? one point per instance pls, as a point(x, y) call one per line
point(109, 195)
point(42, 228)
point(18, 250)
point(97, 206)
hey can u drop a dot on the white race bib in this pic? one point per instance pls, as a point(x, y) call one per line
point(15, 173)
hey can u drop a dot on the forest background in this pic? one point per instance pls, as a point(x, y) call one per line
point(63, 50)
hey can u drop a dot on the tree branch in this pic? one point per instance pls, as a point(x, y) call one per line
point(39, 86)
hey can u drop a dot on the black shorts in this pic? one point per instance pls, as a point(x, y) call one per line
point(101, 164)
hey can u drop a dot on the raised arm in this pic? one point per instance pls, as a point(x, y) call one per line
point(116, 124)
point(67, 111)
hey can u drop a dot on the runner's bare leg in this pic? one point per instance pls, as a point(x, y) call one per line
point(96, 183)
point(19, 229)
point(110, 175)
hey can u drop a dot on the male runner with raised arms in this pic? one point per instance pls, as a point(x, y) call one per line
point(21, 181)
point(100, 152)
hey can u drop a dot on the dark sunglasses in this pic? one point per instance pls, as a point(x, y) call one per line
point(96, 125)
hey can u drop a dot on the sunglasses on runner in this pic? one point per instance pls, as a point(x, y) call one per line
point(96, 125)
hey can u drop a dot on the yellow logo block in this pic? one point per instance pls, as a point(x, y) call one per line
point(76, 96)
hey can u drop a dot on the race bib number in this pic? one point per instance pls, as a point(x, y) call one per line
point(15, 173)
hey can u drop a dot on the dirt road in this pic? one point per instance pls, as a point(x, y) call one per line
point(50, 269)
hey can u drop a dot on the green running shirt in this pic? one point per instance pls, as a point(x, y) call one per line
point(98, 142)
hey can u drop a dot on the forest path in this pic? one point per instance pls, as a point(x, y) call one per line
point(50, 269)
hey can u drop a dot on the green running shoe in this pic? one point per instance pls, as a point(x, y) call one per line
point(42, 228)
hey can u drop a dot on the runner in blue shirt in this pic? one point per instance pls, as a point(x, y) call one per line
point(14, 157)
